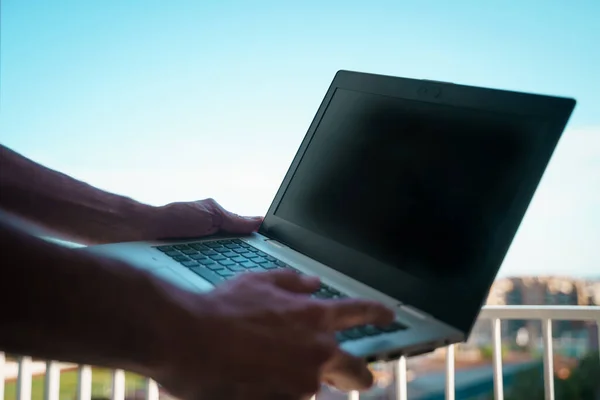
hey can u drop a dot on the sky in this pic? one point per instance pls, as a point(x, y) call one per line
point(183, 100)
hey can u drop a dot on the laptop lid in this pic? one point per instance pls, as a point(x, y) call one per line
point(417, 188)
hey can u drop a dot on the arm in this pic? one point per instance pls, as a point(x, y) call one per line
point(71, 306)
point(65, 305)
point(54, 200)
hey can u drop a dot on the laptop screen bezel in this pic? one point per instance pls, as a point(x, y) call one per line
point(457, 308)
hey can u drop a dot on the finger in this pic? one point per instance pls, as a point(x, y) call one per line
point(348, 313)
point(233, 223)
point(290, 281)
point(229, 222)
point(346, 372)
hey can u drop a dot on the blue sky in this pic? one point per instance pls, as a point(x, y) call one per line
point(181, 100)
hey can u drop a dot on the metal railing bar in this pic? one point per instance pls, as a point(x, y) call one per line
point(2, 373)
point(568, 313)
point(401, 379)
point(497, 359)
point(354, 395)
point(548, 359)
point(151, 390)
point(52, 381)
point(84, 382)
point(24, 379)
point(118, 385)
point(450, 383)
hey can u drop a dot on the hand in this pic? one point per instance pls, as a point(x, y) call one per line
point(261, 337)
point(196, 219)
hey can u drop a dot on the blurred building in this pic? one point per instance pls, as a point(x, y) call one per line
point(538, 290)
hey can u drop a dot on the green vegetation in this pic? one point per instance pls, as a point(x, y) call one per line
point(581, 384)
point(487, 352)
point(101, 385)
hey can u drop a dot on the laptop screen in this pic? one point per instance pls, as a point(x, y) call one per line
point(419, 186)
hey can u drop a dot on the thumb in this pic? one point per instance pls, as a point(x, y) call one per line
point(233, 223)
point(346, 373)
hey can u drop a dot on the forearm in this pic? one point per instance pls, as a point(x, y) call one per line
point(70, 207)
point(69, 306)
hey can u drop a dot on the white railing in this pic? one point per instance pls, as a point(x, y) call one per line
point(495, 314)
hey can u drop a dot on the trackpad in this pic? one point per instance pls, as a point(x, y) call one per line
point(174, 278)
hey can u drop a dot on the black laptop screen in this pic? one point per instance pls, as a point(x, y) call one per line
point(419, 186)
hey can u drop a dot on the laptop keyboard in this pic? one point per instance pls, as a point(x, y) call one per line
point(220, 260)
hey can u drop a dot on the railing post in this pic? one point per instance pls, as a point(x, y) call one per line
point(118, 385)
point(2, 374)
point(52, 381)
point(548, 359)
point(84, 382)
point(24, 379)
point(401, 379)
point(598, 329)
point(151, 390)
point(450, 386)
point(497, 357)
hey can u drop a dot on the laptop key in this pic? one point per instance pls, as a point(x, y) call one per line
point(207, 262)
point(250, 255)
point(172, 253)
point(221, 250)
point(226, 262)
point(189, 251)
point(352, 333)
point(189, 263)
point(210, 276)
point(164, 248)
point(198, 246)
point(248, 264)
point(180, 258)
point(198, 257)
point(370, 330)
point(333, 291)
point(214, 267)
point(241, 250)
point(217, 257)
point(229, 254)
point(236, 268)
point(269, 265)
point(393, 327)
point(181, 247)
point(209, 252)
point(340, 337)
point(232, 246)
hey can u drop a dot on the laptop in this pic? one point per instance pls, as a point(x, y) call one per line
point(404, 191)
